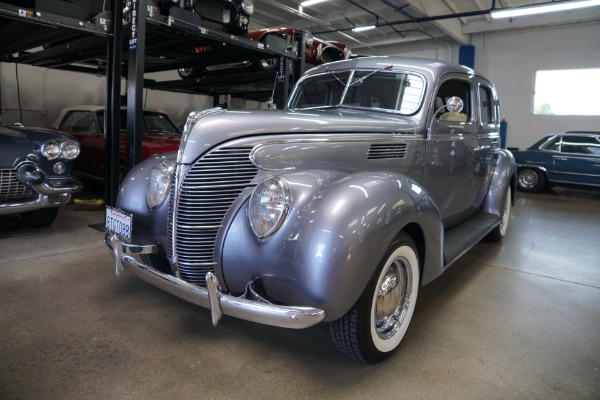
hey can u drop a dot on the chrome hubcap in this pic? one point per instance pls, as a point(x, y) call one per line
point(528, 179)
point(393, 299)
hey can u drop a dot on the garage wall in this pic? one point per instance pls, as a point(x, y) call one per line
point(510, 60)
point(44, 92)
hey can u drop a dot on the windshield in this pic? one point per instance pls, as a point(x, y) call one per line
point(152, 122)
point(397, 91)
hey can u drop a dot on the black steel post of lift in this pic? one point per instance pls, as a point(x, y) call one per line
point(300, 64)
point(113, 106)
point(135, 82)
point(282, 83)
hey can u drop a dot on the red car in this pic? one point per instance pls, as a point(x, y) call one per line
point(86, 123)
point(317, 52)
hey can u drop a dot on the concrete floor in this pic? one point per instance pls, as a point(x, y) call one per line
point(516, 320)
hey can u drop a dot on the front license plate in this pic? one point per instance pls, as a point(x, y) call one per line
point(118, 222)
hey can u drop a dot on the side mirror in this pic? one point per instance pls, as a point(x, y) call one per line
point(454, 104)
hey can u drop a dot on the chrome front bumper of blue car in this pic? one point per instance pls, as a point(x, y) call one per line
point(210, 297)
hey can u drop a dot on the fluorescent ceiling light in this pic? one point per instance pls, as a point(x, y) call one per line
point(543, 8)
point(309, 3)
point(363, 28)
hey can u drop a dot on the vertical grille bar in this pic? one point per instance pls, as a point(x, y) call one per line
point(206, 193)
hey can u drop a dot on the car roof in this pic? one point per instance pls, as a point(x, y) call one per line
point(433, 67)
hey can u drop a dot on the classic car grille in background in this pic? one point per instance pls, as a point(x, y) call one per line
point(11, 190)
point(383, 151)
point(207, 192)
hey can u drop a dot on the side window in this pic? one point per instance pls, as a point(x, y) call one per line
point(580, 145)
point(80, 122)
point(451, 88)
point(486, 106)
point(553, 145)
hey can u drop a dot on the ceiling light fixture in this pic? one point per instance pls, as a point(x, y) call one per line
point(309, 3)
point(543, 8)
point(363, 28)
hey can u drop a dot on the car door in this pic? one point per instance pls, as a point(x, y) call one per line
point(488, 139)
point(578, 161)
point(451, 154)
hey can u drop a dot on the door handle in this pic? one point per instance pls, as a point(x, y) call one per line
point(561, 158)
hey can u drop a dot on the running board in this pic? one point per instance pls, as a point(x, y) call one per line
point(461, 238)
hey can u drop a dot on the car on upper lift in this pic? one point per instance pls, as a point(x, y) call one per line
point(35, 172)
point(86, 124)
point(379, 174)
point(560, 159)
point(316, 52)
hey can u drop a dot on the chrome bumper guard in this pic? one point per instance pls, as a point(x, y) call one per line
point(211, 297)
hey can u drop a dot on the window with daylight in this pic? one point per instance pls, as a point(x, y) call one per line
point(567, 92)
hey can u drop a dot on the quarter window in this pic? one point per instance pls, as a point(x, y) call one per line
point(486, 106)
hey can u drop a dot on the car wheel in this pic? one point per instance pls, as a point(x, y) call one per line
point(40, 218)
point(531, 180)
point(499, 231)
point(377, 323)
point(190, 72)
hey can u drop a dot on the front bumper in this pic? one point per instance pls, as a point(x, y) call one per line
point(210, 297)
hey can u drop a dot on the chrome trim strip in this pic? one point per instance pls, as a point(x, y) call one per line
point(200, 226)
point(575, 183)
point(576, 174)
point(211, 297)
point(530, 165)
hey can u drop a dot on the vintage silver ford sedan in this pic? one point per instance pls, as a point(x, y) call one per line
point(378, 176)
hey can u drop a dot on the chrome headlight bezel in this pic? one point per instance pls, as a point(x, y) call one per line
point(70, 149)
point(268, 207)
point(159, 181)
point(51, 150)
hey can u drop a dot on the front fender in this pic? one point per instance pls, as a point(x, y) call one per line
point(504, 175)
point(149, 225)
point(332, 240)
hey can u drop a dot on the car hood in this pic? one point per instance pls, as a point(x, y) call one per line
point(18, 142)
point(218, 127)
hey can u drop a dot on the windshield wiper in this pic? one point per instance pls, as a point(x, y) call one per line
point(336, 77)
point(361, 80)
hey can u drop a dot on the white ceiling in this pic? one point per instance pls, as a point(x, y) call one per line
point(398, 20)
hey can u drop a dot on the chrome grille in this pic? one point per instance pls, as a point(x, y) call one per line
point(13, 191)
point(384, 151)
point(206, 193)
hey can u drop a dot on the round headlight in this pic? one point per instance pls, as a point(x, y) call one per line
point(70, 149)
point(51, 150)
point(268, 207)
point(248, 6)
point(158, 184)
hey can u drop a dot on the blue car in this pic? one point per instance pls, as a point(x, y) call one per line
point(570, 158)
point(35, 172)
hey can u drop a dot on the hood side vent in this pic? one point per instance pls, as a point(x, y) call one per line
point(387, 151)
